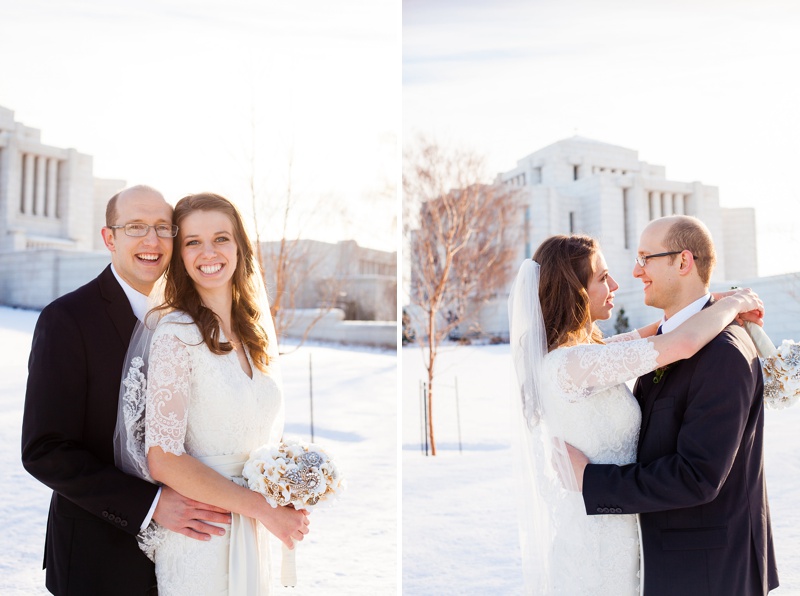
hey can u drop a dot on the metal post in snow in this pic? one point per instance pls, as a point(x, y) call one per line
point(311, 395)
point(458, 418)
point(421, 420)
point(425, 408)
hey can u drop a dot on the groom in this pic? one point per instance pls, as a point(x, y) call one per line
point(74, 374)
point(699, 482)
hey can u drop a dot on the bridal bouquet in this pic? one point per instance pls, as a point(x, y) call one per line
point(781, 368)
point(294, 473)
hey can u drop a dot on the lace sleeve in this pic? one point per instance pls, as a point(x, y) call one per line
point(629, 336)
point(168, 393)
point(587, 369)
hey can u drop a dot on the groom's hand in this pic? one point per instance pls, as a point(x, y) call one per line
point(753, 316)
point(189, 517)
point(579, 462)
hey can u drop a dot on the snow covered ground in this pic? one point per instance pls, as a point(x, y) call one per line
point(459, 518)
point(352, 547)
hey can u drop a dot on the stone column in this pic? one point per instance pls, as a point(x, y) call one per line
point(52, 188)
point(655, 204)
point(678, 204)
point(666, 200)
point(27, 184)
point(39, 188)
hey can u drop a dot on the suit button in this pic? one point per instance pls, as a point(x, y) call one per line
point(118, 519)
point(124, 523)
point(605, 510)
point(618, 510)
point(599, 510)
point(105, 513)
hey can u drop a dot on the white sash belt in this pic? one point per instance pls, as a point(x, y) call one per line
point(245, 560)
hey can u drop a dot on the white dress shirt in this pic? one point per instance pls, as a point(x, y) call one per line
point(683, 314)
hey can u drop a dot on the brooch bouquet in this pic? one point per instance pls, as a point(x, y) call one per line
point(781, 368)
point(294, 473)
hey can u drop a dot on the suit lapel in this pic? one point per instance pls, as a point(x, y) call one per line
point(118, 308)
point(646, 392)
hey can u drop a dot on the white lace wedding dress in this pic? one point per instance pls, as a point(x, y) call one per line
point(586, 403)
point(205, 405)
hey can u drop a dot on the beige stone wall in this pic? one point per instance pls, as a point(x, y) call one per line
point(33, 279)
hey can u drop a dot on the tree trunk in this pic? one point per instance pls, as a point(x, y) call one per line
point(431, 361)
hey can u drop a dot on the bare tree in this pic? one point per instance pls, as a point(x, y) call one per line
point(461, 244)
point(290, 264)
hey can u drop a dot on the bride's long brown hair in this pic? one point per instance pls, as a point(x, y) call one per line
point(565, 269)
point(180, 292)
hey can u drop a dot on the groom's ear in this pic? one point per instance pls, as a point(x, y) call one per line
point(108, 238)
point(687, 263)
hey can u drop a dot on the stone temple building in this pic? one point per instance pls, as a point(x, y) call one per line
point(51, 211)
point(579, 185)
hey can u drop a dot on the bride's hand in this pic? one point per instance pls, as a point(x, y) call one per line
point(285, 523)
point(579, 462)
point(721, 295)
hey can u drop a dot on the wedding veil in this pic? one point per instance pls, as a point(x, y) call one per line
point(129, 450)
point(544, 472)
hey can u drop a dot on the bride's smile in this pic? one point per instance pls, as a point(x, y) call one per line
point(208, 250)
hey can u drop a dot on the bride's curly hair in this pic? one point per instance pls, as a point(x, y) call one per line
point(565, 269)
point(180, 292)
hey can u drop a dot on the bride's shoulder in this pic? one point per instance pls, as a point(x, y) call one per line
point(176, 317)
point(582, 350)
point(561, 353)
point(178, 323)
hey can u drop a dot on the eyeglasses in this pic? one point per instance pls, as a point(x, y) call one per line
point(137, 230)
point(641, 260)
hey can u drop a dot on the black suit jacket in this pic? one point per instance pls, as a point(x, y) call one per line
point(74, 374)
point(699, 481)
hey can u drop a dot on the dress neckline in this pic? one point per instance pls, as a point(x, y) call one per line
point(232, 353)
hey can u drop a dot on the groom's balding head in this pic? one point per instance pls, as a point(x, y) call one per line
point(684, 232)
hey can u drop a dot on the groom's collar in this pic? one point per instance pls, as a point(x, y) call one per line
point(137, 299)
point(682, 315)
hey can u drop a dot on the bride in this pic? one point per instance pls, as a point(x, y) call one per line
point(212, 396)
point(572, 385)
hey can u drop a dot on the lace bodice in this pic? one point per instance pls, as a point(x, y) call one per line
point(586, 400)
point(202, 403)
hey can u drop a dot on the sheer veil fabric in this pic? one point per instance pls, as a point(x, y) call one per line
point(551, 515)
point(129, 455)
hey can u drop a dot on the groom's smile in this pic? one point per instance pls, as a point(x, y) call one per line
point(139, 260)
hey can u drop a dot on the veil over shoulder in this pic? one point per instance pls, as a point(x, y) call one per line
point(551, 515)
point(129, 439)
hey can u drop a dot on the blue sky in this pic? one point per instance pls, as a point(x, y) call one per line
point(707, 89)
